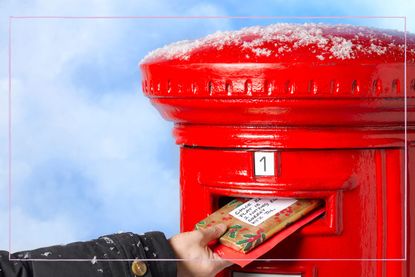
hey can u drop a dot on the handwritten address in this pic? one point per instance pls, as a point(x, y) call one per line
point(257, 210)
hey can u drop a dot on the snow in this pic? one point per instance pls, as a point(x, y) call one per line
point(320, 57)
point(342, 48)
point(94, 260)
point(262, 51)
point(46, 254)
point(108, 240)
point(326, 41)
point(378, 49)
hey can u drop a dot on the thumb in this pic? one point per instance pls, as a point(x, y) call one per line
point(212, 233)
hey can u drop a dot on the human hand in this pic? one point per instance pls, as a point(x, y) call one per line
point(198, 259)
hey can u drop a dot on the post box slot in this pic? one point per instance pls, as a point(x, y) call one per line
point(328, 224)
point(220, 201)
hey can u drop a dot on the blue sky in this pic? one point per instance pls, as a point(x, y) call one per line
point(91, 156)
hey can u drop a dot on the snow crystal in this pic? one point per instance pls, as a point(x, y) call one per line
point(100, 270)
point(256, 40)
point(94, 260)
point(46, 254)
point(320, 57)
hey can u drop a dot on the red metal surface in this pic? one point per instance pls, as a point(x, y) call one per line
point(336, 127)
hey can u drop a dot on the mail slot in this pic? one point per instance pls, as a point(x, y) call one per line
point(301, 111)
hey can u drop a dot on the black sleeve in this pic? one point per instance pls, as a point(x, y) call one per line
point(104, 258)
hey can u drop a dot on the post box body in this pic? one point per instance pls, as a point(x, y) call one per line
point(364, 195)
point(340, 130)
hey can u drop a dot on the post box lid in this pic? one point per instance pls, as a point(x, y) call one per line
point(285, 75)
point(282, 60)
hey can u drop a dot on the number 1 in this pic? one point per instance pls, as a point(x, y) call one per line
point(264, 163)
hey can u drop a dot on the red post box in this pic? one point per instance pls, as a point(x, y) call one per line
point(303, 111)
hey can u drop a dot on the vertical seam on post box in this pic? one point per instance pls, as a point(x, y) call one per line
point(394, 204)
point(379, 209)
point(384, 212)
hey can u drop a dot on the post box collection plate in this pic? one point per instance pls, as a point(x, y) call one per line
point(243, 274)
point(301, 111)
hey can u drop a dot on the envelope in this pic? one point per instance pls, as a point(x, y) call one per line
point(258, 223)
point(243, 259)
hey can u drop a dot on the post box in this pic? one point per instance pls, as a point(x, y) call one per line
point(302, 111)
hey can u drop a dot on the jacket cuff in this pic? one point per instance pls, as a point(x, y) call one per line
point(157, 247)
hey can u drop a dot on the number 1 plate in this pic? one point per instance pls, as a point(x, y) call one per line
point(264, 163)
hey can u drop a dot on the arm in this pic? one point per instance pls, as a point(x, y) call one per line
point(151, 245)
point(105, 254)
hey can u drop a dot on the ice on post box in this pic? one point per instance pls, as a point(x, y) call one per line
point(252, 221)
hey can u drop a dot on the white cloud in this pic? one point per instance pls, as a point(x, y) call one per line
point(33, 232)
point(88, 159)
point(109, 144)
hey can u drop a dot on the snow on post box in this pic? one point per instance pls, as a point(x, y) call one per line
point(300, 111)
